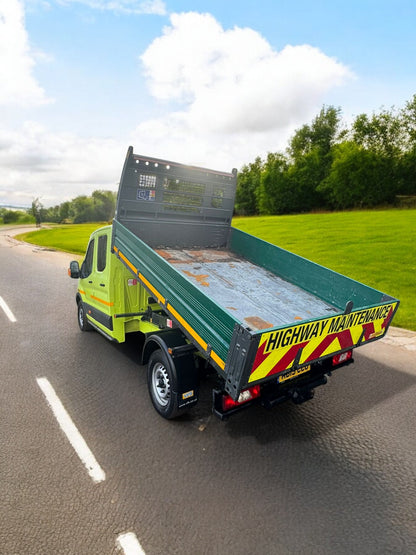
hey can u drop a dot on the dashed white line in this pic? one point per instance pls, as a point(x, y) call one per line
point(7, 310)
point(71, 431)
point(129, 543)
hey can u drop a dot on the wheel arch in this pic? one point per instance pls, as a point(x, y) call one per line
point(163, 340)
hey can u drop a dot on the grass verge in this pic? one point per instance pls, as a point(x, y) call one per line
point(68, 238)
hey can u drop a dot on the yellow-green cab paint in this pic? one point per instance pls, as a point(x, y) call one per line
point(108, 291)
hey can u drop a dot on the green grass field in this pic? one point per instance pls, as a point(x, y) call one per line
point(376, 247)
point(68, 238)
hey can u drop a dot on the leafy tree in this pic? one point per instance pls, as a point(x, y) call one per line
point(104, 205)
point(357, 178)
point(64, 211)
point(386, 136)
point(274, 192)
point(248, 188)
point(36, 211)
point(10, 216)
point(321, 135)
point(407, 162)
point(310, 150)
point(407, 171)
point(382, 133)
point(51, 215)
point(97, 208)
point(83, 209)
point(305, 177)
point(15, 217)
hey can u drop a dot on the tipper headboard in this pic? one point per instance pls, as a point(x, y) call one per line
point(168, 204)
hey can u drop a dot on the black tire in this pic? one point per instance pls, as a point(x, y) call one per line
point(161, 383)
point(83, 323)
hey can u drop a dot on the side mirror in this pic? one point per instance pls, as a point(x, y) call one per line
point(73, 270)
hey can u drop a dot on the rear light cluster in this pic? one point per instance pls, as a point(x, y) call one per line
point(244, 397)
point(343, 357)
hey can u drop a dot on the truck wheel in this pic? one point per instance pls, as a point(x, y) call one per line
point(83, 323)
point(162, 383)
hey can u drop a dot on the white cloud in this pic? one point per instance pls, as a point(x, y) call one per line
point(55, 166)
point(225, 97)
point(233, 79)
point(18, 86)
point(35, 162)
point(134, 7)
point(232, 87)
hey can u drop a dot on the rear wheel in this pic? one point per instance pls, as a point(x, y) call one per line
point(83, 323)
point(162, 385)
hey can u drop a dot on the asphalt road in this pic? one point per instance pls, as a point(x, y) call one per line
point(336, 475)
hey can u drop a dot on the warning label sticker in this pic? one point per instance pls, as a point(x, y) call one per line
point(145, 194)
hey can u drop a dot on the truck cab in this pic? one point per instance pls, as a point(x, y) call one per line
point(109, 299)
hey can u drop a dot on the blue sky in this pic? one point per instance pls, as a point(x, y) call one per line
point(208, 83)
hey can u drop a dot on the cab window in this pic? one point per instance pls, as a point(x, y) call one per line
point(86, 267)
point(102, 253)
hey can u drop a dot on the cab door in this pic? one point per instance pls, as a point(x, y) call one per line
point(95, 272)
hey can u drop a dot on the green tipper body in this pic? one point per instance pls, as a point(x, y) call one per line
point(255, 311)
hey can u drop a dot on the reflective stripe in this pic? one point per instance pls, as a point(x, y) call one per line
point(218, 360)
point(101, 301)
point(158, 296)
point(126, 260)
point(196, 336)
point(188, 328)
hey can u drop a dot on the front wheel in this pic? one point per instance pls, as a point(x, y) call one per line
point(83, 323)
point(162, 385)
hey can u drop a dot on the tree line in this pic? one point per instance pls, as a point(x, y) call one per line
point(329, 166)
point(99, 207)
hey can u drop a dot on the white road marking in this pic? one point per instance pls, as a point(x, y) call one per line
point(7, 310)
point(71, 431)
point(129, 543)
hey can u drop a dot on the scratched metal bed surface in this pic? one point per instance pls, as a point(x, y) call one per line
point(250, 293)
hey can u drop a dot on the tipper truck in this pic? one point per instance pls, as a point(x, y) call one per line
point(266, 324)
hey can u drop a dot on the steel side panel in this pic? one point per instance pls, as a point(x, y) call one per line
point(332, 287)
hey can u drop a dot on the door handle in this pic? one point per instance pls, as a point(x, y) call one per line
point(102, 284)
point(89, 281)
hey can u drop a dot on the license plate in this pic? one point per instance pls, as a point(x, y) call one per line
point(294, 373)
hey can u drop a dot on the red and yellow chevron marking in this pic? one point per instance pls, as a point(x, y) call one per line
point(278, 349)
